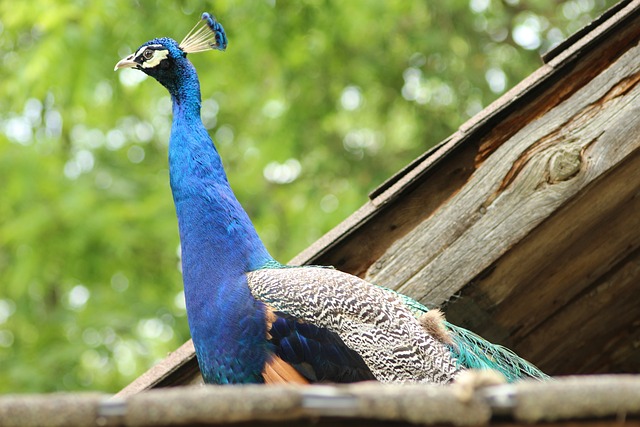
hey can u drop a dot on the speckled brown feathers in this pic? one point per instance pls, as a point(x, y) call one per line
point(370, 320)
point(433, 322)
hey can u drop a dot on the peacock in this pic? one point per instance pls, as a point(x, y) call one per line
point(255, 320)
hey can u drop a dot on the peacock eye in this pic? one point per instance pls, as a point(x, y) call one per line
point(147, 54)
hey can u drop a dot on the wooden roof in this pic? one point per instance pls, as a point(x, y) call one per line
point(524, 224)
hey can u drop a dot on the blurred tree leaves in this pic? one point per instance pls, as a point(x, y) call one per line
point(314, 103)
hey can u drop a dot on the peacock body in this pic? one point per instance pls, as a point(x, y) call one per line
point(254, 320)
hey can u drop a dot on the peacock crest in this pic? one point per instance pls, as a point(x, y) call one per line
point(207, 34)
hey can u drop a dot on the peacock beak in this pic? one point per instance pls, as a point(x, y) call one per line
point(127, 62)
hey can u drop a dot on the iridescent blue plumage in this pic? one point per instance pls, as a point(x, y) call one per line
point(227, 324)
point(216, 27)
point(246, 311)
point(207, 34)
point(318, 354)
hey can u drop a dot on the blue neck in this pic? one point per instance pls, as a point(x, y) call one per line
point(219, 245)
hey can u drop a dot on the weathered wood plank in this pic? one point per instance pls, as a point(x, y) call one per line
point(584, 243)
point(585, 328)
point(522, 183)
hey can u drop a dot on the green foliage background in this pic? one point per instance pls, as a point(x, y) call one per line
point(313, 104)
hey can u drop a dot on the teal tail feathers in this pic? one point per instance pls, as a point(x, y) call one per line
point(474, 352)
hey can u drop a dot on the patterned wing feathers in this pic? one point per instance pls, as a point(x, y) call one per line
point(369, 320)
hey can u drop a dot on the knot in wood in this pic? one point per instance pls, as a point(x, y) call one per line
point(564, 164)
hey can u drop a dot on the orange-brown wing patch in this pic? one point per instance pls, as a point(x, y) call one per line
point(277, 371)
point(270, 318)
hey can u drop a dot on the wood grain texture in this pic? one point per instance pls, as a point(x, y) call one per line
point(521, 184)
point(532, 298)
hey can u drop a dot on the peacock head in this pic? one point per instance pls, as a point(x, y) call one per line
point(163, 58)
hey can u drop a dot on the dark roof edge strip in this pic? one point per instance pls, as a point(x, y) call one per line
point(414, 163)
point(569, 41)
point(158, 374)
point(492, 113)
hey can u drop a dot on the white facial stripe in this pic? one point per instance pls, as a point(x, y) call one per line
point(158, 55)
point(143, 48)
